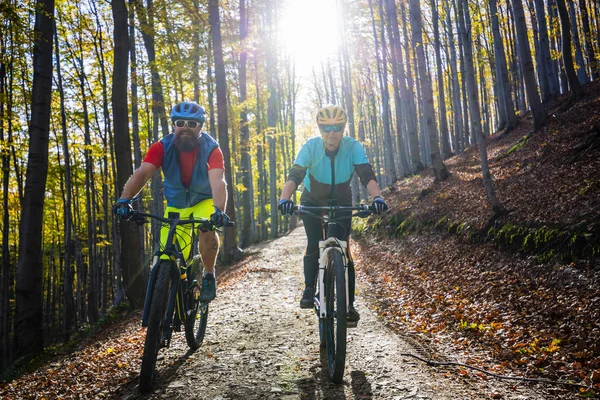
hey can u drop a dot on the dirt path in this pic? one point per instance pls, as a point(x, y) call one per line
point(260, 345)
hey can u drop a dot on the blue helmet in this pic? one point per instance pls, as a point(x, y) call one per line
point(188, 110)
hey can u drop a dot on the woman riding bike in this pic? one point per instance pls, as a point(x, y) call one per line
point(326, 164)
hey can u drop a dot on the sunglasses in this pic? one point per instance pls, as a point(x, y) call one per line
point(180, 123)
point(335, 128)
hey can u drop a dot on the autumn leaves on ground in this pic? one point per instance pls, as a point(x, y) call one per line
point(519, 295)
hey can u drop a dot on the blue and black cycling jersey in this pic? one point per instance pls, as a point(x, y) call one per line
point(328, 175)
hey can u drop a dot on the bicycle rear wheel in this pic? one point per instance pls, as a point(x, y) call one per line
point(195, 325)
point(196, 311)
point(334, 327)
point(156, 318)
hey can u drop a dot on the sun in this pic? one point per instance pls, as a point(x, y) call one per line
point(309, 32)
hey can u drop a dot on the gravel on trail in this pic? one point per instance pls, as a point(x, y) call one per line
point(260, 345)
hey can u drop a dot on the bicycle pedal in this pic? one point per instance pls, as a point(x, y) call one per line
point(164, 343)
point(351, 324)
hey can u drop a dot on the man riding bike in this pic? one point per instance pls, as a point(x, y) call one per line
point(326, 164)
point(194, 185)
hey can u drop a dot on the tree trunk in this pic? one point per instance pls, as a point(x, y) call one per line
point(539, 62)
point(245, 236)
point(129, 232)
point(89, 184)
point(464, 139)
point(456, 109)
point(589, 46)
point(556, 46)
point(539, 114)
point(441, 173)
point(515, 67)
point(28, 330)
point(446, 152)
point(347, 95)
point(69, 306)
point(465, 27)
point(5, 283)
point(504, 84)
point(413, 138)
point(102, 257)
point(553, 86)
point(390, 173)
point(400, 92)
point(581, 74)
point(260, 159)
point(135, 123)
point(574, 84)
point(230, 249)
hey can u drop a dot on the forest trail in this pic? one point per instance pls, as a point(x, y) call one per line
point(261, 345)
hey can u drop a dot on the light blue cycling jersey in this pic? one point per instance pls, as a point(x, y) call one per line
point(319, 168)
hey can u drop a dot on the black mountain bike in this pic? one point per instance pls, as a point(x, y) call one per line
point(332, 297)
point(172, 296)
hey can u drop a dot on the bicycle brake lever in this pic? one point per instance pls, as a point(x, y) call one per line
point(138, 219)
point(363, 213)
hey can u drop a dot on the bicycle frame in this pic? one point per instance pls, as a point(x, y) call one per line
point(180, 268)
point(329, 244)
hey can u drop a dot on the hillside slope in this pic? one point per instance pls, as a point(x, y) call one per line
point(520, 294)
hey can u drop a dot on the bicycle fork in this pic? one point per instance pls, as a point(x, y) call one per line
point(150, 290)
point(326, 246)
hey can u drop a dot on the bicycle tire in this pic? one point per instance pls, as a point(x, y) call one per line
point(335, 324)
point(158, 308)
point(195, 325)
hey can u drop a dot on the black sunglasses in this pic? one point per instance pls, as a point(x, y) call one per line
point(180, 123)
point(328, 128)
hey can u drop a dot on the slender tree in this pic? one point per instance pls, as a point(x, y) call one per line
point(230, 249)
point(465, 25)
point(29, 330)
point(576, 42)
point(440, 81)
point(502, 76)
point(69, 306)
point(589, 42)
point(412, 128)
point(574, 84)
point(455, 88)
point(381, 57)
point(6, 68)
point(441, 173)
point(400, 92)
point(129, 234)
point(245, 130)
point(539, 114)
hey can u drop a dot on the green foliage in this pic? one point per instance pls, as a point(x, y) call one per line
point(515, 147)
point(441, 221)
point(544, 242)
point(360, 226)
point(589, 185)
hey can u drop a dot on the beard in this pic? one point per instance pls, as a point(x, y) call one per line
point(186, 140)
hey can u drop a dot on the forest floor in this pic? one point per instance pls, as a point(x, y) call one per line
point(518, 295)
point(260, 345)
point(438, 278)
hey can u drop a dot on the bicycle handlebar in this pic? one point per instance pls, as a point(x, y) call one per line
point(140, 218)
point(364, 210)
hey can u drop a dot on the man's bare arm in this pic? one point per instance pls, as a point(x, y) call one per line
point(137, 181)
point(216, 177)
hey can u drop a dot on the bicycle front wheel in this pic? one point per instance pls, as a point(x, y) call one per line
point(334, 327)
point(156, 318)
